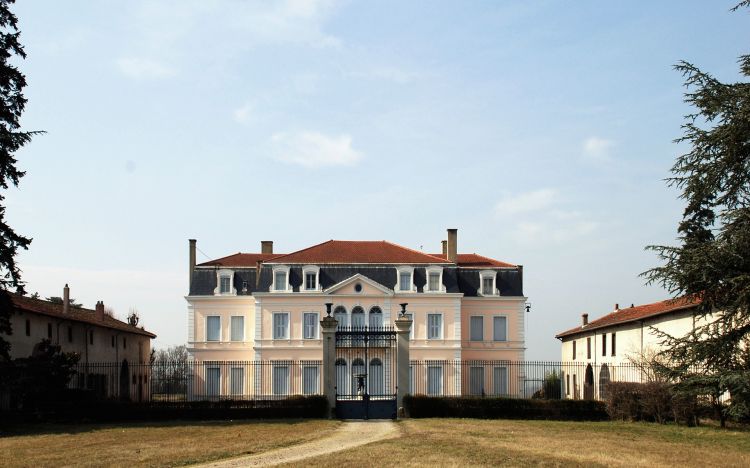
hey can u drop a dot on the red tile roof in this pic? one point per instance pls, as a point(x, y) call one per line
point(633, 314)
point(75, 314)
point(476, 260)
point(357, 252)
point(240, 260)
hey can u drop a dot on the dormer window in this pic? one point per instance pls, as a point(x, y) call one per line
point(224, 283)
point(487, 283)
point(434, 280)
point(405, 279)
point(310, 280)
point(280, 279)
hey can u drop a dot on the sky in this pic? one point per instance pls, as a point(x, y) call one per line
point(542, 131)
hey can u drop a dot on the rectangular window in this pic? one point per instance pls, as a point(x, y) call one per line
point(604, 344)
point(113, 341)
point(476, 380)
point(213, 381)
point(91, 337)
point(237, 323)
point(124, 343)
point(280, 326)
point(434, 282)
point(574, 350)
point(280, 380)
point(311, 282)
point(213, 328)
point(588, 347)
point(434, 326)
point(488, 286)
point(28, 327)
point(500, 328)
point(310, 325)
point(49, 331)
point(237, 381)
point(613, 344)
point(310, 380)
point(500, 380)
point(434, 380)
point(477, 328)
point(280, 281)
point(404, 281)
point(70, 334)
point(567, 384)
point(413, 325)
point(225, 287)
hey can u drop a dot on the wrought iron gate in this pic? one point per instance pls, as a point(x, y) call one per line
point(366, 373)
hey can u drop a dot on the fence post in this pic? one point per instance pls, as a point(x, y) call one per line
point(403, 327)
point(328, 327)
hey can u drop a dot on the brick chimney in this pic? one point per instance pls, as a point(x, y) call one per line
point(191, 252)
point(452, 245)
point(100, 310)
point(266, 247)
point(617, 307)
point(66, 299)
point(584, 319)
point(445, 248)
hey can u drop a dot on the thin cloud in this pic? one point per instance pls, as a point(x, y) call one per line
point(598, 149)
point(527, 202)
point(244, 114)
point(142, 68)
point(314, 149)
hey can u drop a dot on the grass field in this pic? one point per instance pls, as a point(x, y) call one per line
point(425, 442)
point(462, 442)
point(158, 444)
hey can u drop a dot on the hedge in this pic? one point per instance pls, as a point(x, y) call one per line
point(92, 410)
point(650, 401)
point(421, 406)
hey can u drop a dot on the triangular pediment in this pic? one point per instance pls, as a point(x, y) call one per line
point(368, 287)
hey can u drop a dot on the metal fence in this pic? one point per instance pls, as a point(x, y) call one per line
point(270, 380)
point(200, 380)
point(518, 379)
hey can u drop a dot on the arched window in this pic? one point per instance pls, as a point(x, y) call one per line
point(358, 317)
point(604, 379)
point(358, 367)
point(339, 313)
point(376, 317)
point(341, 378)
point(376, 377)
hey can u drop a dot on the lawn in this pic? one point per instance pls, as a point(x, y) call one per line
point(157, 444)
point(463, 442)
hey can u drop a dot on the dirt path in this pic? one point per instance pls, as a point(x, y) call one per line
point(349, 435)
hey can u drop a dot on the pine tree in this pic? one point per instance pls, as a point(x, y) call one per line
point(712, 260)
point(12, 103)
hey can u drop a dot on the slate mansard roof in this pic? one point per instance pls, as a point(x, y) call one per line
point(75, 314)
point(634, 314)
point(339, 260)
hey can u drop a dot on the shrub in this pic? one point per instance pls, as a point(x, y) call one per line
point(420, 406)
point(650, 401)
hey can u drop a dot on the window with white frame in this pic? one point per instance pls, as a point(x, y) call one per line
point(477, 328)
point(434, 279)
point(237, 332)
point(280, 279)
point(237, 381)
point(310, 325)
point(310, 379)
point(434, 380)
point(339, 313)
point(413, 325)
point(310, 278)
point(487, 283)
point(213, 328)
point(500, 328)
point(375, 317)
point(500, 381)
point(224, 279)
point(213, 380)
point(434, 326)
point(280, 380)
point(476, 380)
point(405, 279)
point(280, 325)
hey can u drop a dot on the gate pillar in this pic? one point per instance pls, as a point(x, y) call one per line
point(328, 330)
point(403, 328)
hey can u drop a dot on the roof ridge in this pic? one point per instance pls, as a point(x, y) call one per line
point(302, 250)
point(442, 260)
